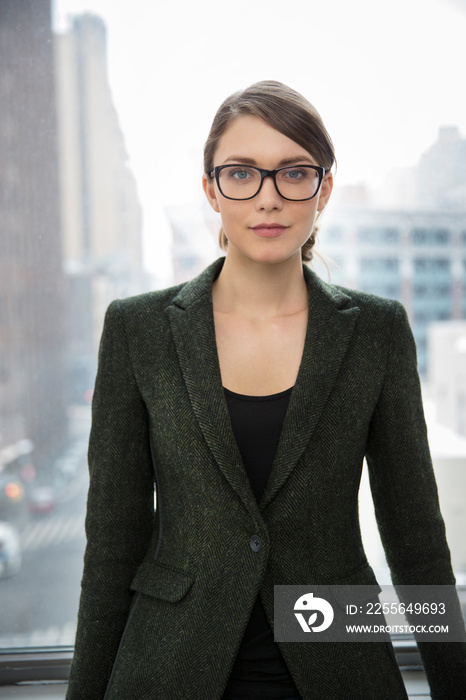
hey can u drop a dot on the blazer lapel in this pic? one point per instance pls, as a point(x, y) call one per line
point(332, 316)
point(192, 323)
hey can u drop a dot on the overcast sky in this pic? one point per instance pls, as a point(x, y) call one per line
point(384, 76)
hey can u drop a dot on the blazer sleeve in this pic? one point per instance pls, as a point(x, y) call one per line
point(120, 512)
point(406, 500)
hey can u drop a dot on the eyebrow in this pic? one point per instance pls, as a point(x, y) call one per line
point(282, 163)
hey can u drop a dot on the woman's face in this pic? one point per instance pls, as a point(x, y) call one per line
point(252, 141)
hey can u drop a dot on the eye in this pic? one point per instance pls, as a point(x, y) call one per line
point(295, 173)
point(237, 173)
point(240, 174)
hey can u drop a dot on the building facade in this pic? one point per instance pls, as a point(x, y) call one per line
point(416, 257)
point(100, 209)
point(33, 382)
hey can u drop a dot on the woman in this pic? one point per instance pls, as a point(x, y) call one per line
point(202, 388)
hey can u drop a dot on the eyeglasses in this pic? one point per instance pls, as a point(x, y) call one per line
point(297, 183)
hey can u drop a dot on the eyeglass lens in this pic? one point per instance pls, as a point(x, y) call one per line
point(242, 182)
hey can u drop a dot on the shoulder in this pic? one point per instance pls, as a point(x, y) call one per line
point(378, 317)
point(149, 302)
point(382, 327)
point(140, 315)
point(143, 306)
point(158, 301)
point(371, 303)
point(146, 310)
point(343, 298)
point(381, 319)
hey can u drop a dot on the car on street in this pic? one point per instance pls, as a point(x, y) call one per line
point(42, 500)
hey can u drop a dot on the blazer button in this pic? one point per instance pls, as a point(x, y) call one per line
point(255, 543)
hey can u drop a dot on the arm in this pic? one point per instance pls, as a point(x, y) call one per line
point(120, 511)
point(406, 500)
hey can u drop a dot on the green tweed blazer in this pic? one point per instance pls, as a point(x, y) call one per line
point(166, 594)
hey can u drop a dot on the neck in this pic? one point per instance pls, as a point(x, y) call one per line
point(260, 290)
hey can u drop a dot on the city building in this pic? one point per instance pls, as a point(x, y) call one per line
point(33, 381)
point(417, 257)
point(100, 209)
point(442, 172)
point(437, 182)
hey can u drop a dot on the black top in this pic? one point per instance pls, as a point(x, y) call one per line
point(259, 671)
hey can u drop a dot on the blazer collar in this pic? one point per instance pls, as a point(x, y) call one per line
point(332, 315)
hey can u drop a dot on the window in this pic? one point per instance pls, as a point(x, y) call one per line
point(378, 236)
point(427, 266)
point(93, 173)
point(432, 237)
point(377, 266)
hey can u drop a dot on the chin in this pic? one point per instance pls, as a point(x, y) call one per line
point(273, 256)
point(264, 252)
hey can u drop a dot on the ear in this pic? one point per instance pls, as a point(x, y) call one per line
point(325, 191)
point(209, 189)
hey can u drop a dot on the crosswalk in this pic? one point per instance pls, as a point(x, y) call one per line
point(55, 529)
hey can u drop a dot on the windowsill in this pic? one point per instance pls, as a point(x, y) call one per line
point(415, 682)
point(41, 664)
point(53, 690)
point(42, 673)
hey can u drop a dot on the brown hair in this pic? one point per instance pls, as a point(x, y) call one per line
point(286, 111)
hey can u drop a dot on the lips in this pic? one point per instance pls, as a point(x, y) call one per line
point(269, 230)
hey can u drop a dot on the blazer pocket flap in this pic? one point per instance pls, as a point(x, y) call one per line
point(160, 581)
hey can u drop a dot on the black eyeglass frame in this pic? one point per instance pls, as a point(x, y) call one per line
point(267, 173)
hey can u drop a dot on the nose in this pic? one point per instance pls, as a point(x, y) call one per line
point(268, 198)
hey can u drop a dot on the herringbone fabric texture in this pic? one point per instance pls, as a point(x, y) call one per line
point(165, 599)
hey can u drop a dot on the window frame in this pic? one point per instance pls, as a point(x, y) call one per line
point(53, 663)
